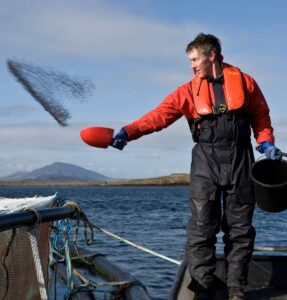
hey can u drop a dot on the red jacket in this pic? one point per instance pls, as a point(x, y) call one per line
point(194, 99)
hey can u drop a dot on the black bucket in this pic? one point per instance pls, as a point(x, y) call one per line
point(270, 184)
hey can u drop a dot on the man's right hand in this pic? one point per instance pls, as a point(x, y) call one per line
point(120, 139)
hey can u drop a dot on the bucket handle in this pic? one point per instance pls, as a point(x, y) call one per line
point(282, 153)
point(278, 153)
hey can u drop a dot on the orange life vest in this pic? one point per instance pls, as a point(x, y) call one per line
point(234, 91)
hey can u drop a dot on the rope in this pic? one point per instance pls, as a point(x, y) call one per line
point(80, 216)
point(89, 285)
point(38, 216)
point(64, 227)
point(37, 263)
point(54, 242)
point(95, 285)
point(70, 283)
point(7, 252)
point(177, 262)
point(140, 247)
point(60, 244)
point(270, 249)
point(36, 254)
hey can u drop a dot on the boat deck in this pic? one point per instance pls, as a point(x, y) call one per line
point(267, 280)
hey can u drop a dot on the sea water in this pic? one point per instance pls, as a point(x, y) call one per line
point(154, 217)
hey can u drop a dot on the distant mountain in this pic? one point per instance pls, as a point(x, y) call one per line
point(57, 172)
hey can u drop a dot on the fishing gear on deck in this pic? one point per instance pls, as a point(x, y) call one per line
point(58, 267)
point(51, 88)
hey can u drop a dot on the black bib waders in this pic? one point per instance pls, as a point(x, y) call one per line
point(221, 196)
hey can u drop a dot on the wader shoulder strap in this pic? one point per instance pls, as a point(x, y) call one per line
point(220, 101)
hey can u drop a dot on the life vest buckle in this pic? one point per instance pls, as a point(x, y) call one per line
point(219, 109)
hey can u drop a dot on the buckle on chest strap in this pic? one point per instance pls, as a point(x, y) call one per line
point(219, 109)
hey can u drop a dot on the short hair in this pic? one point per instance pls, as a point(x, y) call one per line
point(206, 43)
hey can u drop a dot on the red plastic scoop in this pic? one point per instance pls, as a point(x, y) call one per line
point(100, 137)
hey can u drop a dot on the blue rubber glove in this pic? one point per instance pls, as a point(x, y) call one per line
point(269, 150)
point(120, 139)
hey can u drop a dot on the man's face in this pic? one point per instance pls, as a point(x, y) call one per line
point(201, 64)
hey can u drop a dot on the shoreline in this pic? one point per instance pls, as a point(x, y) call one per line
point(171, 180)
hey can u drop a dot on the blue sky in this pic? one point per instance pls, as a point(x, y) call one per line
point(134, 53)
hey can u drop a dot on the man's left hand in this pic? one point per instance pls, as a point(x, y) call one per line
point(269, 150)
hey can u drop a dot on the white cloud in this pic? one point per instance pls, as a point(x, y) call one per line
point(41, 138)
point(92, 29)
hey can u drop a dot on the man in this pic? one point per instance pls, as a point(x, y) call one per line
point(221, 105)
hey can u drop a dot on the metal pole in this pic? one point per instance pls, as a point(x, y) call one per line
point(29, 218)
